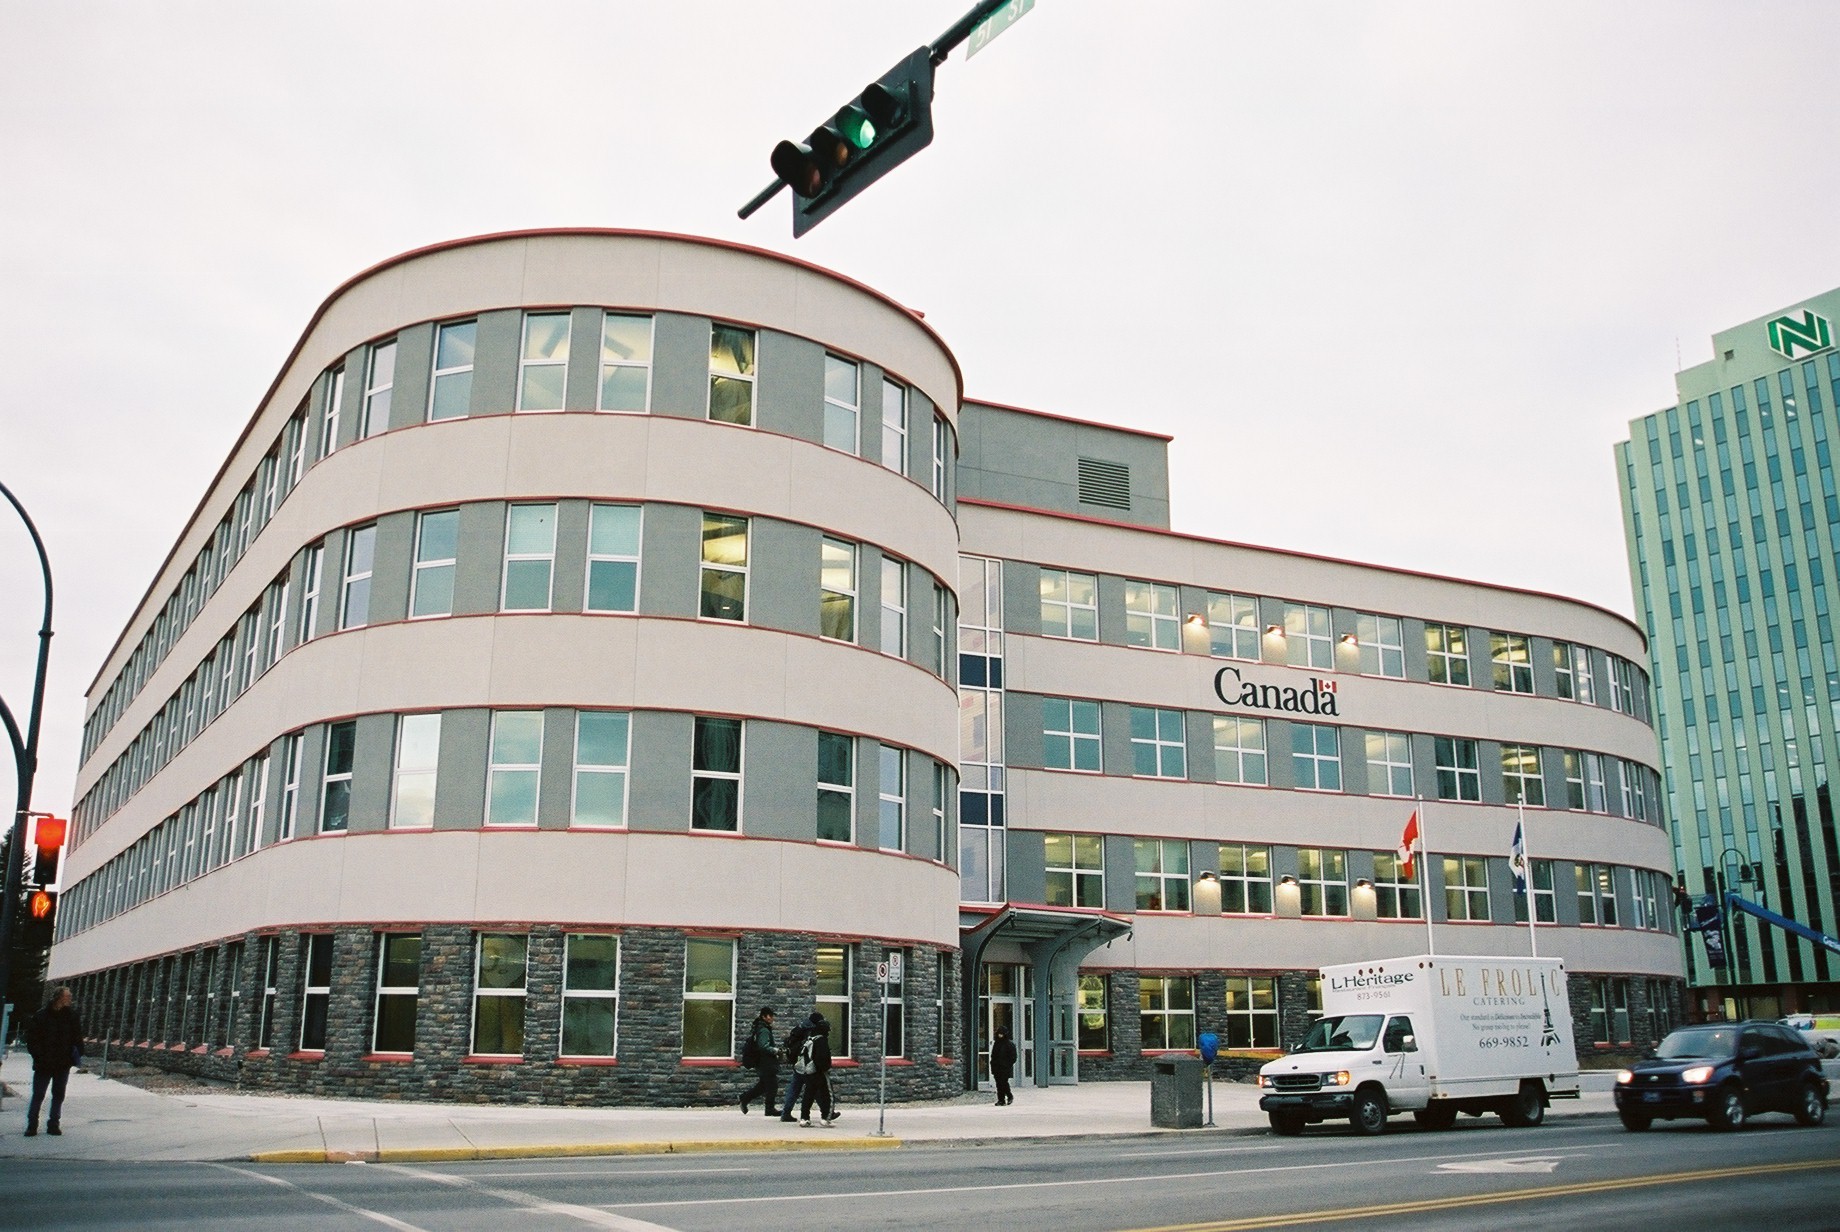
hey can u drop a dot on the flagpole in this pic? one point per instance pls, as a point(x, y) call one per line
point(1424, 876)
point(1533, 900)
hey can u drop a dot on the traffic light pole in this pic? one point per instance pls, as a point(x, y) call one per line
point(25, 760)
point(940, 48)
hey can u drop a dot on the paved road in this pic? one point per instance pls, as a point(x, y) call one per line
point(1587, 1173)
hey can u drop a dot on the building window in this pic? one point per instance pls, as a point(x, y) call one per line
point(602, 743)
point(530, 558)
point(1069, 734)
point(842, 403)
point(1162, 873)
point(516, 768)
point(271, 990)
point(1466, 888)
point(1610, 1011)
point(1069, 605)
point(894, 606)
point(1396, 896)
point(355, 596)
point(399, 978)
point(715, 779)
point(335, 792)
point(1150, 616)
point(1521, 779)
point(1166, 1012)
point(1545, 903)
point(1252, 1011)
point(498, 994)
point(290, 785)
point(1584, 680)
point(833, 995)
point(893, 816)
point(837, 594)
point(613, 558)
point(277, 600)
point(731, 375)
point(836, 788)
point(1076, 870)
point(1447, 654)
point(1512, 659)
point(1308, 641)
point(894, 427)
point(894, 1006)
point(1382, 644)
point(709, 997)
point(437, 548)
point(544, 369)
point(418, 756)
point(1389, 764)
point(1316, 757)
point(626, 363)
point(1245, 879)
point(939, 629)
point(1562, 669)
point(590, 995)
point(1458, 775)
point(378, 384)
point(1158, 744)
point(1585, 882)
point(1574, 779)
point(1605, 877)
point(310, 571)
point(943, 968)
point(1092, 1010)
point(1322, 881)
point(315, 991)
point(939, 811)
point(1239, 750)
point(939, 458)
point(725, 567)
point(329, 415)
point(450, 395)
point(1233, 627)
point(1595, 793)
point(1622, 685)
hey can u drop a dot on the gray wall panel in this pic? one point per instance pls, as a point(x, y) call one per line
point(1021, 597)
point(460, 785)
point(581, 387)
point(414, 364)
point(556, 789)
point(783, 576)
point(571, 577)
point(789, 392)
point(479, 568)
point(1120, 873)
point(670, 555)
point(680, 366)
point(659, 790)
point(779, 792)
point(1022, 730)
point(495, 362)
point(312, 779)
point(393, 562)
point(1199, 730)
point(372, 764)
point(1026, 851)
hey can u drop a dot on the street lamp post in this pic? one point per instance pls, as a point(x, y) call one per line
point(25, 761)
point(1733, 925)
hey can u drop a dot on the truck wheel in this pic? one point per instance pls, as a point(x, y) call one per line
point(1727, 1108)
point(1812, 1109)
point(1436, 1117)
point(1526, 1107)
point(1369, 1114)
point(1288, 1124)
point(1634, 1122)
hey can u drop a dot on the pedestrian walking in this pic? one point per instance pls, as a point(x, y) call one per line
point(761, 1054)
point(795, 1040)
point(1002, 1065)
point(815, 1064)
point(54, 1037)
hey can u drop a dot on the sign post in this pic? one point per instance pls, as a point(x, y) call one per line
point(1210, 1048)
point(887, 972)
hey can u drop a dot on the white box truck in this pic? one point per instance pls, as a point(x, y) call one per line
point(1433, 1035)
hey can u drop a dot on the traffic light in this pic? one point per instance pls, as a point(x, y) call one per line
point(870, 136)
point(40, 921)
point(48, 838)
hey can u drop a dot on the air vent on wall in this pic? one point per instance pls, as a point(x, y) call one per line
point(1105, 483)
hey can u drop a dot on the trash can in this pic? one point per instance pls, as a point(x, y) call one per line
point(1175, 1093)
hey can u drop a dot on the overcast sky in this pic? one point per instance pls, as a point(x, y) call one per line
point(1395, 276)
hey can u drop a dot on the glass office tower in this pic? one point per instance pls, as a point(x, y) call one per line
point(1731, 516)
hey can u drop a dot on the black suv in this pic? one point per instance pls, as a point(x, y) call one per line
point(1724, 1072)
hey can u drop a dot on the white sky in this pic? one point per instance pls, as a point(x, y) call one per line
point(1394, 275)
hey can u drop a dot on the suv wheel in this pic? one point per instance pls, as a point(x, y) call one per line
point(1369, 1113)
point(1727, 1108)
point(1812, 1109)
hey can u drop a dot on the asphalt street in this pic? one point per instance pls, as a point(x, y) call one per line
point(1582, 1173)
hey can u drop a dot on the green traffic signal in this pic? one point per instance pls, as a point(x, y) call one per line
point(857, 128)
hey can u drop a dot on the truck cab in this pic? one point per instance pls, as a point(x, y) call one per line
point(1358, 1066)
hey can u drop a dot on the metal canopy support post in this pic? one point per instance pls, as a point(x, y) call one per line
point(25, 758)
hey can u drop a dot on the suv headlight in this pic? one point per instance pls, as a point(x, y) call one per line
point(1624, 1077)
point(1697, 1075)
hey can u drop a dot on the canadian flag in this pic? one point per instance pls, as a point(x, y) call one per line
point(1408, 843)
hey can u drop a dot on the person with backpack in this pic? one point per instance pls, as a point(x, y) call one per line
point(54, 1037)
point(761, 1055)
point(815, 1065)
point(795, 1040)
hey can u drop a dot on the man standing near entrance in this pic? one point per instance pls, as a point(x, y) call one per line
point(1002, 1065)
point(54, 1036)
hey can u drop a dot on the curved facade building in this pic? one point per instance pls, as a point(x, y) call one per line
point(584, 644)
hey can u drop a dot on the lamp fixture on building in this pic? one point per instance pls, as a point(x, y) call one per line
point(1207, 894)
point(1274, 630)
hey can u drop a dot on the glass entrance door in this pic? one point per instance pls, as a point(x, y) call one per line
point(1004, 1001)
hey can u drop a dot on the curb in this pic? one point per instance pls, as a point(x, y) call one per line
point(464, 1154)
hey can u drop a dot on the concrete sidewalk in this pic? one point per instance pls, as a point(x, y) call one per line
point(108, 1120)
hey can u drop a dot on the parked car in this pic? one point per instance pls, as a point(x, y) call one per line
point(1724, 1073)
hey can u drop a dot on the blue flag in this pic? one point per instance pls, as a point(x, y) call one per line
point(1517, 860)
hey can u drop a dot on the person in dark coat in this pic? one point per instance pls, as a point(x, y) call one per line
point(1002, 1065)
point(54, 1036)
point(762, 1054)
point(795, 1039)
point(815, 1059)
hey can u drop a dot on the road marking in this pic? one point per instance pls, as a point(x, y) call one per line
point(388, 1221)
point(607, 1172)
point(1500, 1165)
point(1426, 1205)
point(1215, 1150)
point(877, 1194)
point(530, 1202)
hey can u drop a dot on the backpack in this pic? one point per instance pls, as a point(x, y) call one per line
point(794, 1039)
point(807, 1064)
point(750, 1053)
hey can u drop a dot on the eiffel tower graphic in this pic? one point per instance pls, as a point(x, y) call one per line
point(1549, 1035)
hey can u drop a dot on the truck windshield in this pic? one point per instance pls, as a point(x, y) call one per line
point(1699, 1042)
point(1349, 1033)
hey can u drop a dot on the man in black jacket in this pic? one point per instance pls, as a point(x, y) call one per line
point(815, 1059)
point(54, 1036)
point(795, 1040)
point(762, 1055)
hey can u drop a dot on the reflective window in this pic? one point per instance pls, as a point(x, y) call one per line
point(450, 393)
point(544, 367)
point(731, 374)
point(626, 363)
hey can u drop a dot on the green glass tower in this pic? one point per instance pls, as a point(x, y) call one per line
point(1731, 517)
